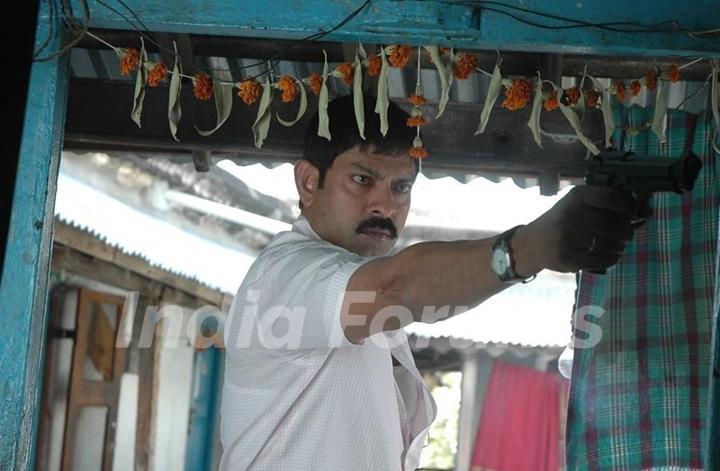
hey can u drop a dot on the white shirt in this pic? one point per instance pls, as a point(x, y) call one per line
point(305, 398)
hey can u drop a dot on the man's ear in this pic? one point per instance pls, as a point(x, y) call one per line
point(307, 178)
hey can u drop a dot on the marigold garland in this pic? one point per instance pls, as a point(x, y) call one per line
point(399, 56)
point(129, 61)
point(418, 152)
point(651, 80)
point(202, 87)
point(573, 95)
point(592, 98)
point(620, 91)
point(315, 83)
point(288, 87)
point(157, 74)
point(249, 91)
point(417, 100)
point(465, 65)
point(517, 96)
point(416, 121)
point(346, 72)
point(374, 65)
point(551, 102)
point(673, 73)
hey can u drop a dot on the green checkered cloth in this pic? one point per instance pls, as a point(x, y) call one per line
point(638, 398)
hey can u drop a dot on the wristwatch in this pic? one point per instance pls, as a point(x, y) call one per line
point(502, 262)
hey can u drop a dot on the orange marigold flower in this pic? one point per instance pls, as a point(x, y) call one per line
point(620, 91)
point(202, 87)
point(673, 73)
point(552, 102)
point(316, 81)
point(374, 64)
point(417, 100)
point(130, 61)
point(573, 95)
point(418, 152)
point(592, 98)
point(157, 74)
point(289, 88)
point(415, 121)
point(399, 56)
point(651, 80)
point(465, 65)
point(635, 88)
point(249, 91)
point(346, 70)
point(517, 96)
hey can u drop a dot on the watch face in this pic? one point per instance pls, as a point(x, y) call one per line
point(499, 261)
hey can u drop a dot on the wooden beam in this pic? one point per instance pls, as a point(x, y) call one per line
point(24, 285)
point(471, 25)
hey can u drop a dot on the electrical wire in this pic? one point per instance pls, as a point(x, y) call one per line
point(579, 23)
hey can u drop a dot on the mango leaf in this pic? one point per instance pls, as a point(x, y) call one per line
point(358, 98)
point(574, 121)
point(223, 99)
point(606, 108)
point(262, 121)
point(174, 111)
point(361, 51)
point(323, 118)
point(140, 84)
point(382, 103)
point(445, 74)
point(301, 109)
point(534, 122)
point(490, 98)
point(659, 123)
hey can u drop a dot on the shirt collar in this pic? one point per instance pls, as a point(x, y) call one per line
point(302, 225)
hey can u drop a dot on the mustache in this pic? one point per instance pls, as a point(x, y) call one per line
point(378, 223)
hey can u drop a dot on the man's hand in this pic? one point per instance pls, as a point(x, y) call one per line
point(586, 230)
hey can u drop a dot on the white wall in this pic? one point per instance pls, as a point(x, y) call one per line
point(174, 370)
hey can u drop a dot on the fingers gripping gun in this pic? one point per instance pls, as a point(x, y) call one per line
point(643, 175)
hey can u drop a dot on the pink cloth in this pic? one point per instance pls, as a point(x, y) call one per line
point(520, 427)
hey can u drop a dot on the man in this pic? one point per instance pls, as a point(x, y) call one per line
point(319, 375)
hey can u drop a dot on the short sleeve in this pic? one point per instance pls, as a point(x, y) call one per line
point(294, 292)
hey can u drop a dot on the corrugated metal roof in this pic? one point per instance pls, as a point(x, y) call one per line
point(536, 314)
point(161, 244)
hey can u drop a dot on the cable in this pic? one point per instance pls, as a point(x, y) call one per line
point(70, 19)
point(578, 23)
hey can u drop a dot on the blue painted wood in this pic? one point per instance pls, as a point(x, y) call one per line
point(203, 409)
point(457, 23)
point(23, 287)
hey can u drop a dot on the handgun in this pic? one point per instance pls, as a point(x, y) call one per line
point(643, 176)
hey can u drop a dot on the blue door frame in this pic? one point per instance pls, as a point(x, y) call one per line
point(23, 287)
point(207, 374)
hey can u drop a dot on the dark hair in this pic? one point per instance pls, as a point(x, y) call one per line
point(344, 132)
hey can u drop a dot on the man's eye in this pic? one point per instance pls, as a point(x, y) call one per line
point(403, 188)
point(361, 179)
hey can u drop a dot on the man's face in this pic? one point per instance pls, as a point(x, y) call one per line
point(364, 201)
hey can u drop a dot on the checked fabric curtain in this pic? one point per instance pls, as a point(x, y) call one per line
point(638, 398)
